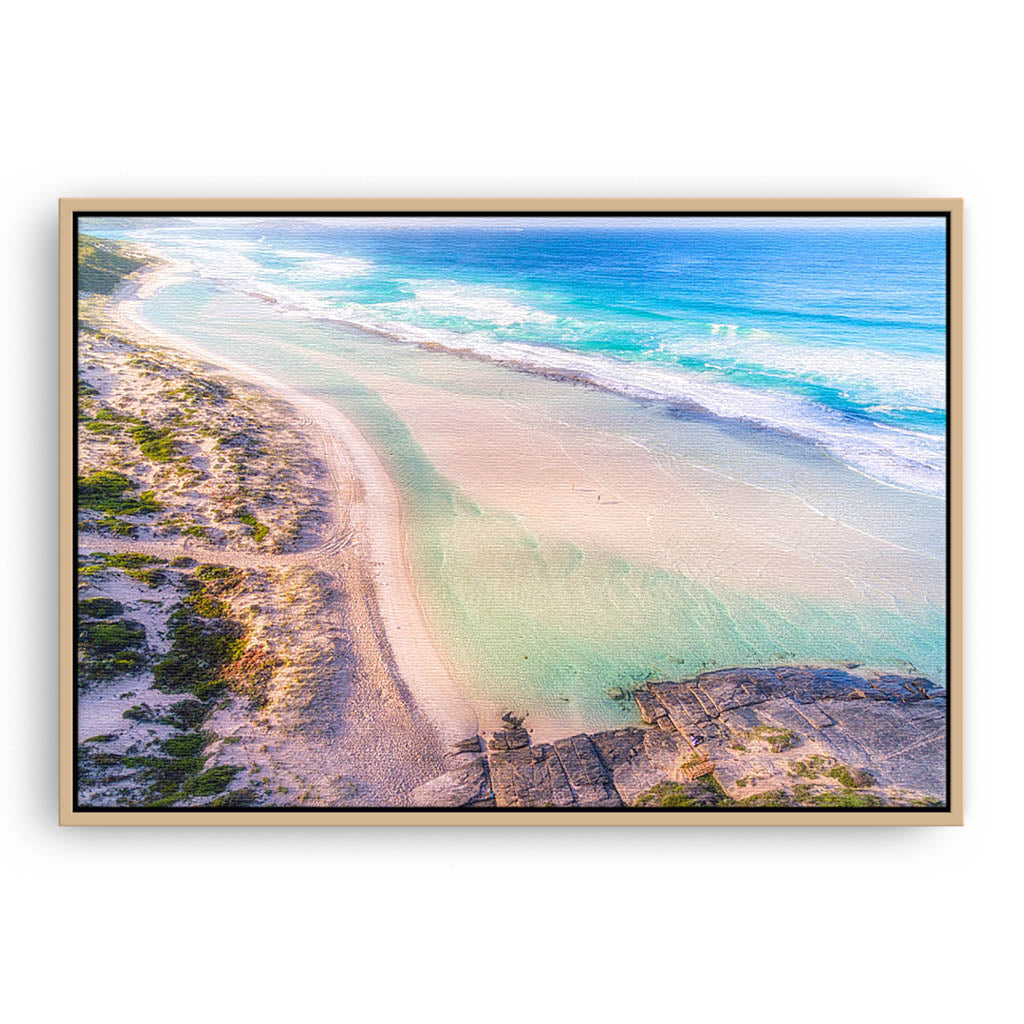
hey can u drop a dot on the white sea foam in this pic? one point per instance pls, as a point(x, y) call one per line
point(500, 307)
point(899, 457)
point(316, 266)
point(914, 380)
point(903, 458)
point(225, 262)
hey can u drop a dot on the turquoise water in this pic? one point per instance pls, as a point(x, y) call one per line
point(532, 619)
point(541, 624)
point(829, 329)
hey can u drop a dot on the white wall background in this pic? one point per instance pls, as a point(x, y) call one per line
point(595, 99)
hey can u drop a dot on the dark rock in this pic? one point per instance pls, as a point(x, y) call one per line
point(813, 715)
point(530, 777)
point(637, 758)
point(461, 752)
point(461, 787)
point(509, 739)
point(785, 714)
point(590, 781)
point(517, 738)
point(707, 704)
point(904, 744)
point(742, 720)
point(664, 751)
point(888, 727)
point(619, 746)
point(651, 709)
point(683, 710)
point(808, 684)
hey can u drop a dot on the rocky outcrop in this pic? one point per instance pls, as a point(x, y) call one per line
point(787, 736)
point(892, 727)
point(511, 739)
point(566, 773)
point(467, 783)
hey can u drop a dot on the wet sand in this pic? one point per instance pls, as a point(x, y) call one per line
point(742, 515)
point(374, 523)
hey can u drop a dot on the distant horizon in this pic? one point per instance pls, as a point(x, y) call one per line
point(546, 222)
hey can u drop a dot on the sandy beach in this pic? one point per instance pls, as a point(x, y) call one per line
point(367, 514)
point(362, 706)
point(530, 495)
point(408, 550)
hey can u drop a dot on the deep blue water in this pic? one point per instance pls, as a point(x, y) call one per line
point(832, 329)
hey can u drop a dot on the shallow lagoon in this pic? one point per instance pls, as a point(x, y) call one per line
point(547, 606)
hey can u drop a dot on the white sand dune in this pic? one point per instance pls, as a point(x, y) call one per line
point(374, 520)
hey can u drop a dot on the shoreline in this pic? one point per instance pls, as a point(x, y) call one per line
point(591, 370)
point(676, 405)
point(371, 436)
point(640, 487)
point(401, 627)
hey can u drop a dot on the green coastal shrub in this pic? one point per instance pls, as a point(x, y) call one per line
point(179, 775)
point(113, 493)
point(206, 605)
point(103, 264)
point(131, 560)
point(774, 737)
point(164, 777)
point(204, 640)
point(666, 794)
point(251, 673)
point(208, 689)
point(151, 577)
point(100, 608)
point(845, 799)
point(187, 714)
point(106, 637)
point(773, 798)
point(246, 797)
point(851, 778)
point(190, 745)
point(257, 529)
point(106, 421)
point(118, 527)
point(155, 443)
point(208, 573)
point(135, 565)
point(211, 782)
point(111, 648)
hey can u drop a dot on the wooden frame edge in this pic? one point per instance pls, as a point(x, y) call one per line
point(954, 815)
point(955, 498)
point(66, 609)
point(500, 819)
point(497, 204)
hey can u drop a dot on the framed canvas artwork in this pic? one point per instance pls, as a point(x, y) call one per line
point(511, 511)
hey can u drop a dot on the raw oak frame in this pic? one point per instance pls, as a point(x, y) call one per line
point(953, 814)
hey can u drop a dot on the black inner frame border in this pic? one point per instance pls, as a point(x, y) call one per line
point(639, 214)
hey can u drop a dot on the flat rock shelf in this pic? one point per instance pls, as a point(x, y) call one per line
point(757, 737)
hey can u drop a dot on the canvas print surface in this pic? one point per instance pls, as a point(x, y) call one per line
point(577, 512)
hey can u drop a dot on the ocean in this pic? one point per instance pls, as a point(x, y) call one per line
point(830, 329)
point(759, 479)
